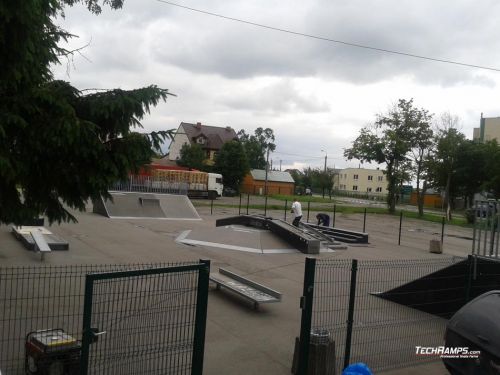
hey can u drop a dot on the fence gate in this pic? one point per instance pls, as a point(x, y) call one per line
point(378, 311)
point(486, 239)
point(149, 321)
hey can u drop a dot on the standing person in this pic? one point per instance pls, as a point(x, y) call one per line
point(297, 212)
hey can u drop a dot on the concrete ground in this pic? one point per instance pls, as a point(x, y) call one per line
point(239, 340)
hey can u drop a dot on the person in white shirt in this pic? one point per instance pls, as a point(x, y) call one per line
point(297, 212)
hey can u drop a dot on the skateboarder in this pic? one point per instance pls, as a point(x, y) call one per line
point(297, 212)
point(323, 219)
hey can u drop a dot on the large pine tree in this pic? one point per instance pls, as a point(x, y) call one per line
point(58, 146)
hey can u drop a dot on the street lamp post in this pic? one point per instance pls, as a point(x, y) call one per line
point(324, 171)
point(267, 171)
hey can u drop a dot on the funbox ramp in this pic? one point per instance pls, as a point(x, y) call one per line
point(445, 291)
point(126, 205)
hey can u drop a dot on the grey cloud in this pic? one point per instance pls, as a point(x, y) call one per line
point(280, 97)
point(211, 45)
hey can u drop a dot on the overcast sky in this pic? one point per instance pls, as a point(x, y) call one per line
point(315, 95)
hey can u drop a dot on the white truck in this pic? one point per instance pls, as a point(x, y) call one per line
point(198, 184)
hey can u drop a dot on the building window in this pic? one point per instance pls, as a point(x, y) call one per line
point(355, 176)
point(368, 190)
point(200, 140)
point(379, 190)
point(380, 178)
point(370, 178)
point(355, 187)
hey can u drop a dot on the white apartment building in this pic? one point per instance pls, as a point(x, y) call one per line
point(361, 180)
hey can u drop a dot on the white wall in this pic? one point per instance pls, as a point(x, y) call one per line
point(179, 140)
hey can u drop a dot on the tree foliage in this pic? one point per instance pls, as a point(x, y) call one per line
point(444, 162)
point(192, 156)
point(389, 141)
point(60, 147)
point(232, 163)
point(256, 146)
point(315, 178)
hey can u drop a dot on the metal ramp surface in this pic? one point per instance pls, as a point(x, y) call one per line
point(308, 241)
point(29, 234)
point(248, 289)
point(341, 235)
point(128, 205)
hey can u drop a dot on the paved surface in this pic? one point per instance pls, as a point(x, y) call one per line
point(239, 340)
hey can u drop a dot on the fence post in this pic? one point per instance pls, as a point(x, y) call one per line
point(334, 212)
point(265, 206)
point(468, 285)
point(306, 304)
point(350, 315)
point(364, 222)
point(87, 322)
point(400, 224)
point(286, 208)
point(442, 231)
point(248, 202)
point(308, 208)
point(474, 232)
point(201, 319)
point(211, 206)
point(239, 207)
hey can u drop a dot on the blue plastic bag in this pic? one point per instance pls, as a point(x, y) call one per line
point(357, 369)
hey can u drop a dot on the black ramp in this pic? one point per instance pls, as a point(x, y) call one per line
point(440, 293)
point(444, 292)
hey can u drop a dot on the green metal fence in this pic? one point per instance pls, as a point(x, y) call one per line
point(153, 316)
point(378, 311)
point(486, 236)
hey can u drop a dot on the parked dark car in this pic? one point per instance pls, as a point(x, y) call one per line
point(229, 192)
point(475, 327)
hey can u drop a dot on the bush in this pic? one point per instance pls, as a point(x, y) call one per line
point(469, 215)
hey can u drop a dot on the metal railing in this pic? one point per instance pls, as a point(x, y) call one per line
point(146, 184)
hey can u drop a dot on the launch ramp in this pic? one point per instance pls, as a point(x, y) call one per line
point(129, 205)
point(445, 291)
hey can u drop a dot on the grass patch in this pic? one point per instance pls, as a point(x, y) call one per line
point(458, 219)
point(302, 198)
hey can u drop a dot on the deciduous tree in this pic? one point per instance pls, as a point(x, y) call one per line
point(389, 141)
point(232, 163)
point(256, 146)
point(192, 156)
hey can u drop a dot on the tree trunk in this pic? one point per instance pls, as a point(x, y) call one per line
point(391, 196)
point(421, 199)
point(447, 197)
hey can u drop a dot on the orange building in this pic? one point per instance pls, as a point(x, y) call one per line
point(277, 182)
point(431, 199)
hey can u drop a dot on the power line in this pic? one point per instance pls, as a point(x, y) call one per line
point(302, 156)
point(356, 45)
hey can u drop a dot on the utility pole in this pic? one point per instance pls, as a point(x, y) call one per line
point(280, 165)
point(267, 170)
point(324, 171)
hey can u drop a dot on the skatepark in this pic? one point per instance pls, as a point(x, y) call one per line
point(239, 339)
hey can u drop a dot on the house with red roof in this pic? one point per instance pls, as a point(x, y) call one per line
point(209, 138)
